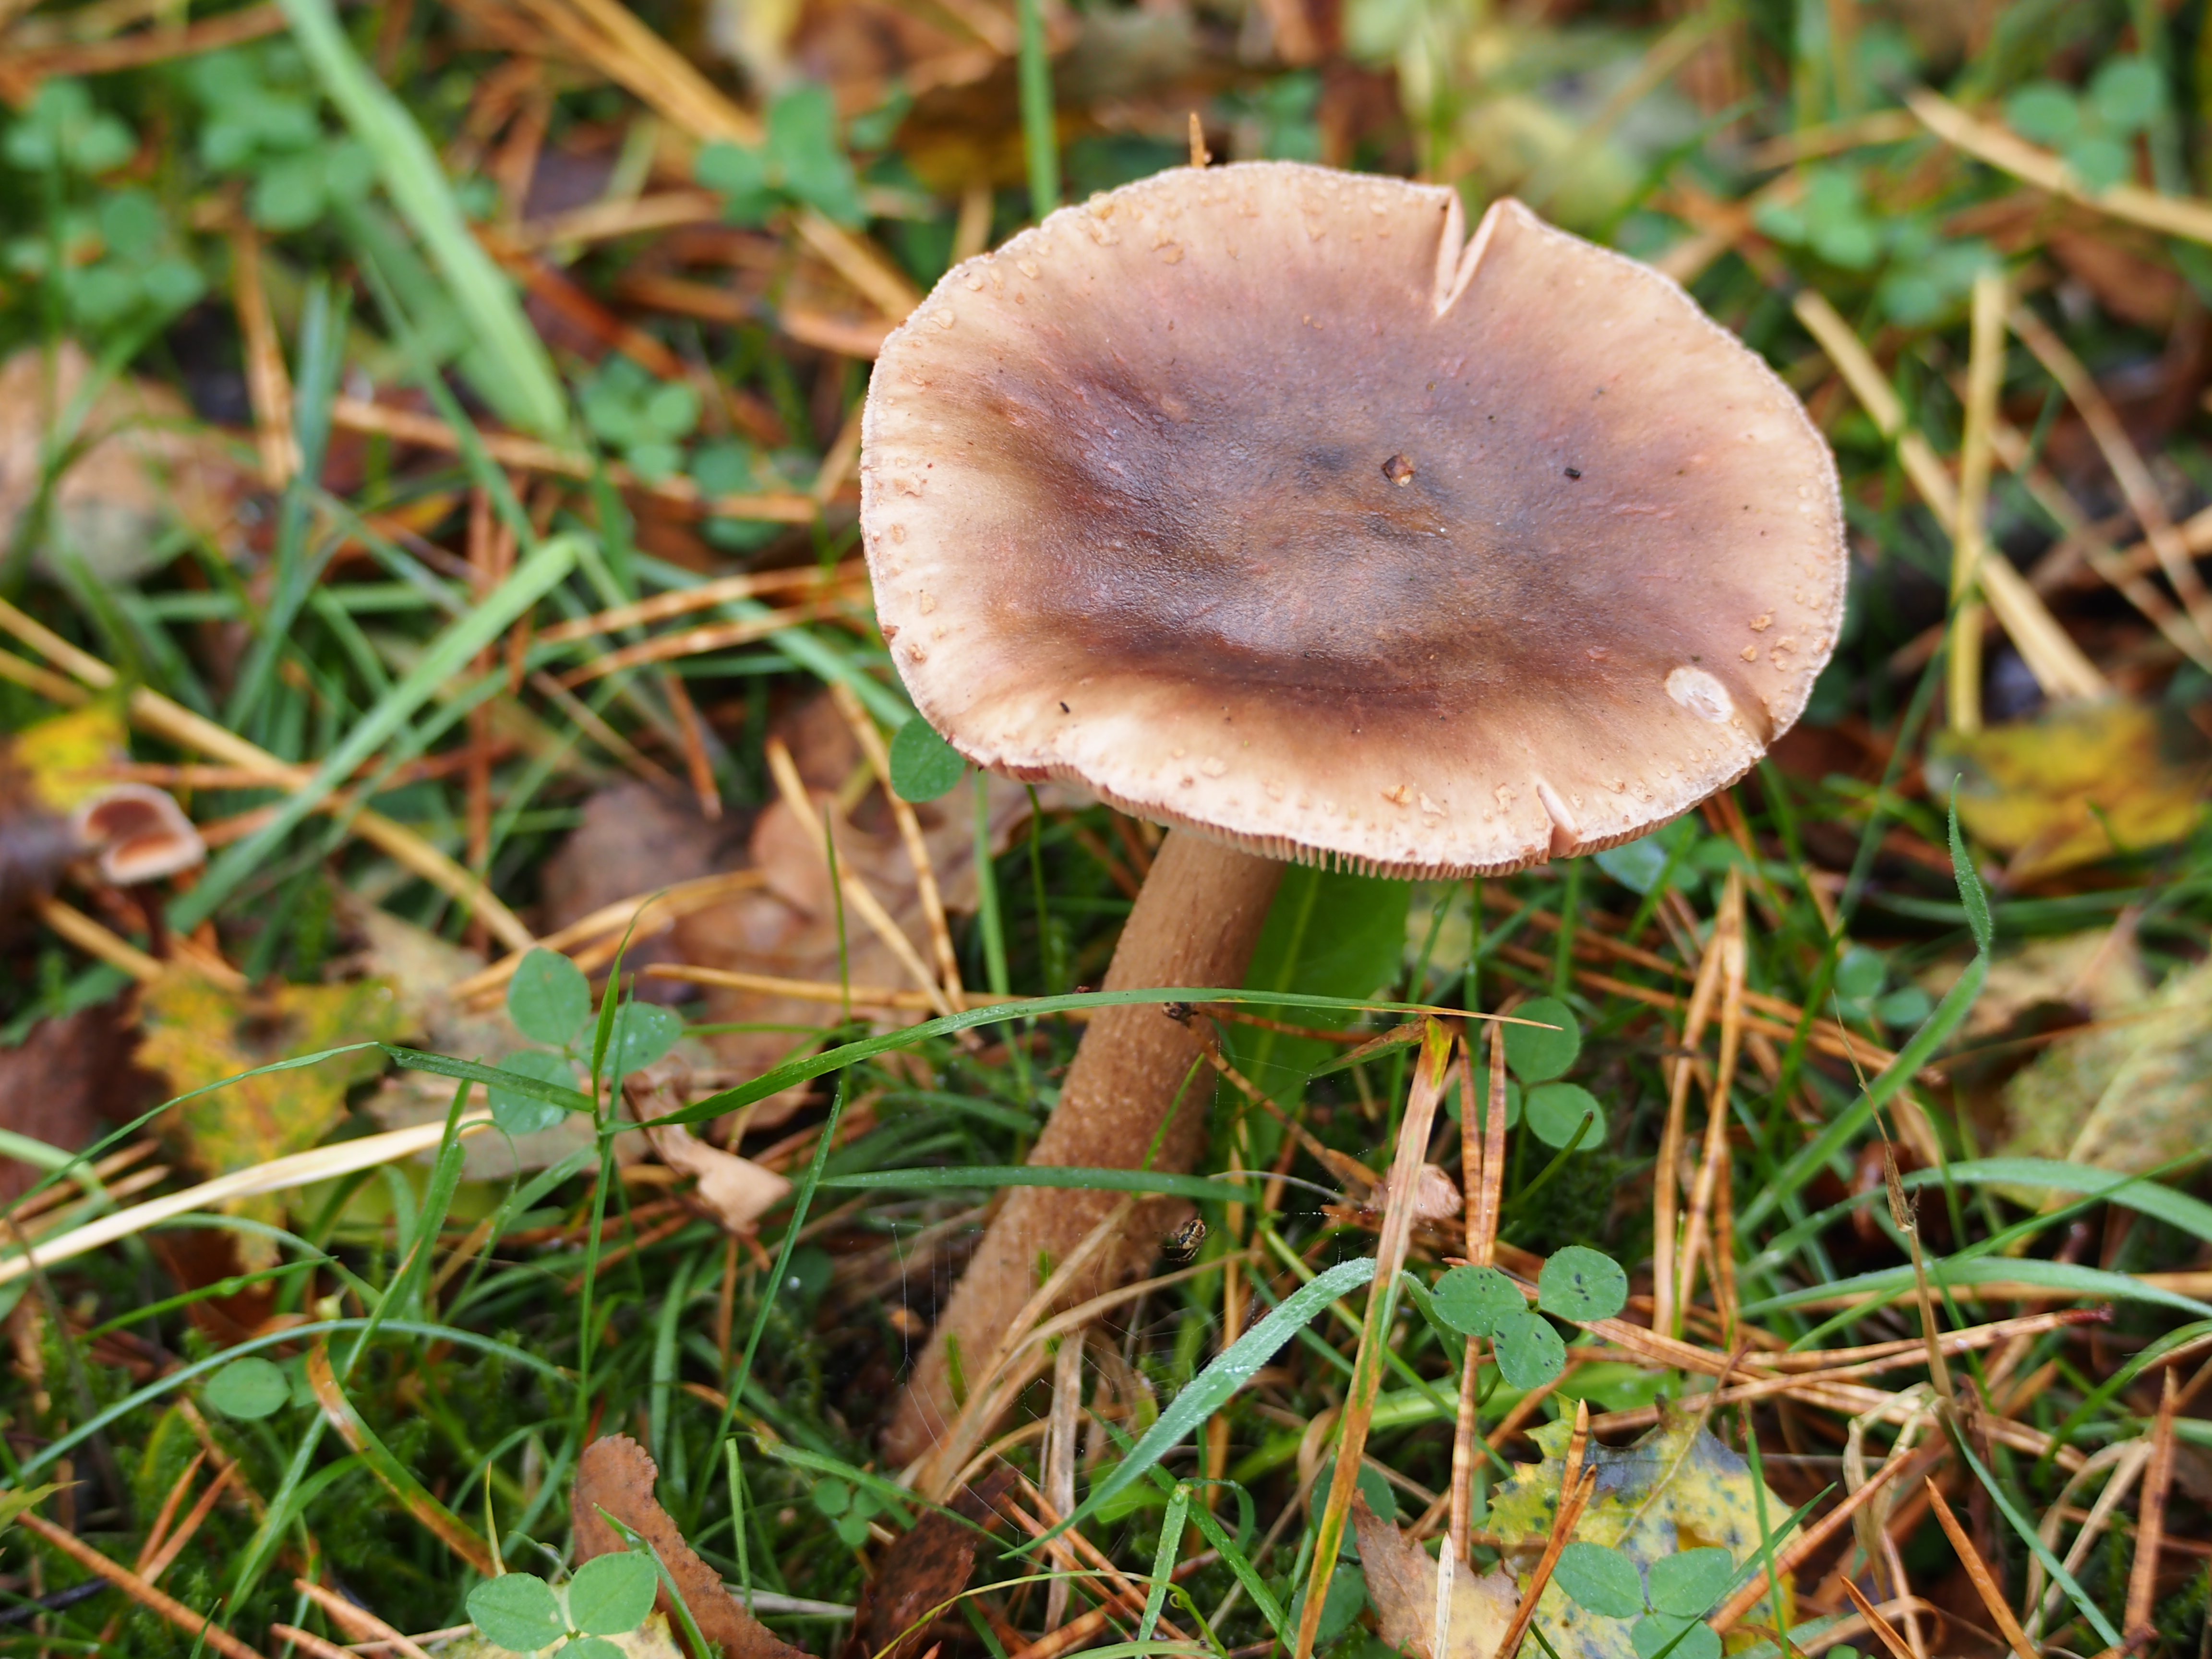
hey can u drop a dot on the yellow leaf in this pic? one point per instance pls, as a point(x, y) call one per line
point(198, 1033)
point(1678, 1488)
point(2077, 784)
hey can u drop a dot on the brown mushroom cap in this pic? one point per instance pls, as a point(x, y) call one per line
point(1248, 498)
point(139, 833)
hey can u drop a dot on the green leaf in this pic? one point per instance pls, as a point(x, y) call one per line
point(548, 999)
point(14, 1503)
point(2126, 94)
point(739, 175)
point(1601, 1578)
point(726, 466)
point(517, 1610)
point(1533, 1054)
point(1581, 1284)
point(802, 145)
point(1971, 896)
point(923, 765)
point(1664, 1636)
point(2043, 112)
point(610, 1595)
point(1212, 1388)
point(1328, 933)
point(832, 1497)
point(644, 1031)
point(1636, 864)
point(1529, 1352)
point(248, 1389)
point(1859, 973)
point(1344, 1600)
point(1555, 1112)
point(1688, 1584)
point(1472, 1300)
point(597, 1647)
point(526, 1114)
point(2099, 162)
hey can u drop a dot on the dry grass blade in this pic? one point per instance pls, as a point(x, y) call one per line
point(640, 917)
point(910, 828)
point(681, 601)
point(1375, 1333)
point(1800, 1548)
point(2058, 664)
point(279, 1175)
point(1969, 534)
point(1667, 1178)
point(310, 1644)
point(1880, 1628)
point(2150, 1522)
point(1572, 1502)
point(198, 1626)
point(267, 385)
point(1984, 1582)
point(2126, 462)
point(1724, 952)
point(930, 1476)
point(165, 719)
point(698, 642)
point(359, 1622)
point(822, 991)
point(796, 800)
point(2173, 215)
point(95, 939)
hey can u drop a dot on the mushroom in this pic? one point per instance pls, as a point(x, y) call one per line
point(1266, 504)
point(137, 833)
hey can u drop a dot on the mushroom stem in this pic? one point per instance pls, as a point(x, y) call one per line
point(1194, 923)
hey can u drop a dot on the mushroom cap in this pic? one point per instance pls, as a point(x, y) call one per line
point(1252, 499)
point(137, 833)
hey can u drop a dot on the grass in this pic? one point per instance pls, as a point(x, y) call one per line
point(466, 437)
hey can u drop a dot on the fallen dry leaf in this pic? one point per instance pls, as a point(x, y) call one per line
point(2076, 784)
point(734, 1192)
point(198, 1032)
point(420, 966)
point(64, 1083)
point(1677, 1488)
point(1436, 1196)
point(2130, 1093)
point(921, 1572)
point(615, 1475)
point(1402, 1581)
point(789, 928)
point(632, 840)
point(141, 464)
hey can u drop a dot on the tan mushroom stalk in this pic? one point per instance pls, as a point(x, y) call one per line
point(1266, 503)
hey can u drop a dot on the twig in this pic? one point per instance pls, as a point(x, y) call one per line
point(1985, 1583)
point(196, 1625)
point(910, 828)
point(1570, 1514)
point(1969, 533)
point(800, 805)
point(1802, 1548)
point(2150, 1522)
point(1375, 1333)
point(359, 1622)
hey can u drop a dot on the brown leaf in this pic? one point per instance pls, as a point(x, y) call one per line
point(615, 1475)
point(63, 1080)
point(921, 1572)
point(632, 839)
point(1402, 1581)
point(788, 928)
point(136, 470)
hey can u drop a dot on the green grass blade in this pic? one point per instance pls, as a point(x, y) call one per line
point(1212, 1388)
point(448, 654)
point(530, 392)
